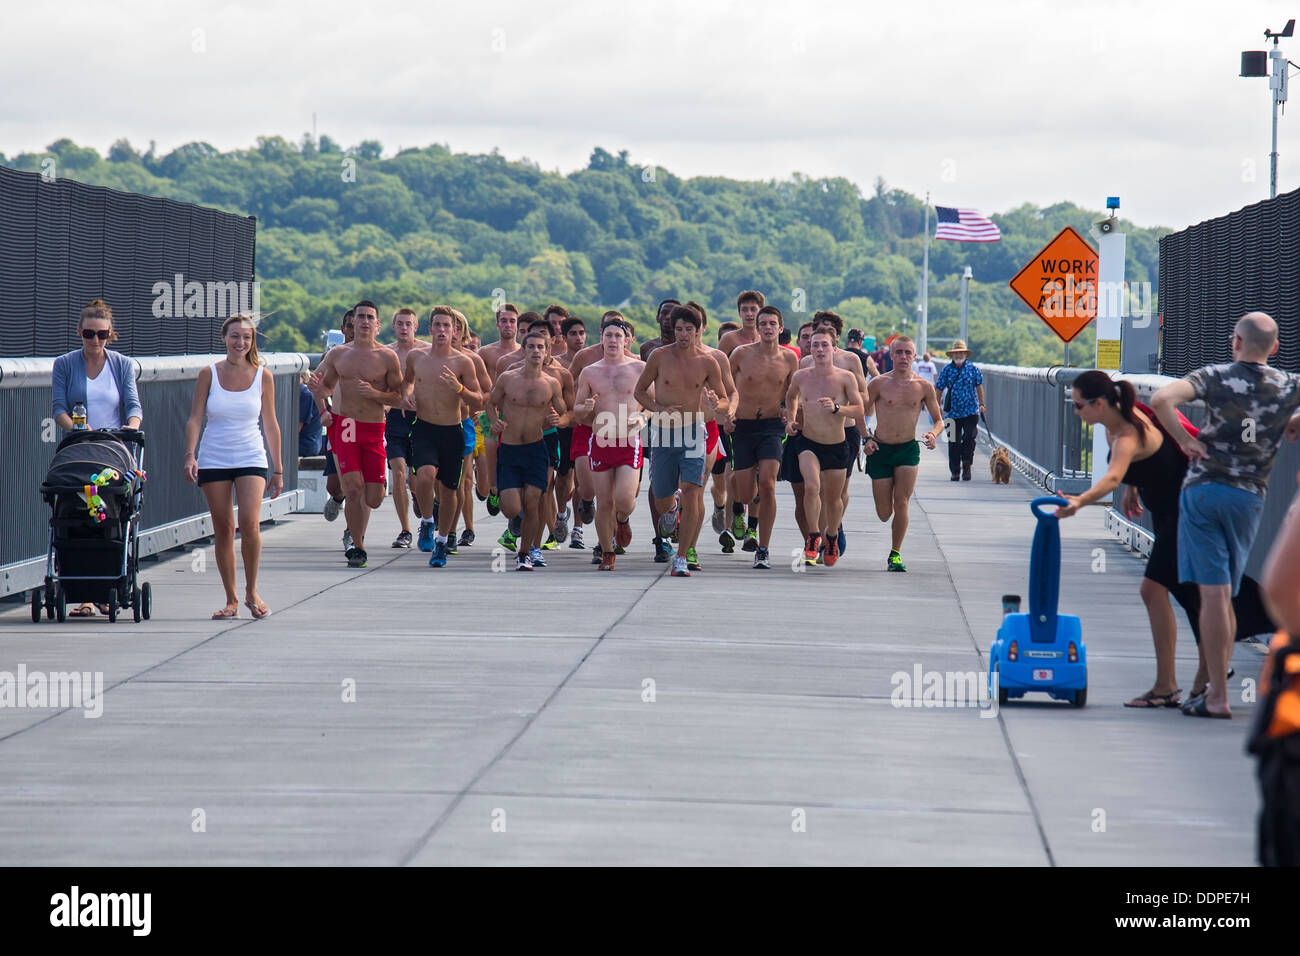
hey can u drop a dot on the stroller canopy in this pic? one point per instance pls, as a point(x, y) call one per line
point(75, 464)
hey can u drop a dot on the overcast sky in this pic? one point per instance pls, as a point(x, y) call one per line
point(985, 104)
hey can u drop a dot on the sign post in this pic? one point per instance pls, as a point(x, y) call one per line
point(1111, 306)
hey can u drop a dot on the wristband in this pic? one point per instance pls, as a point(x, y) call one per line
point(461, 389)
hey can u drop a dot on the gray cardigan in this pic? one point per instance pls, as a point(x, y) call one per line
point(70, 383)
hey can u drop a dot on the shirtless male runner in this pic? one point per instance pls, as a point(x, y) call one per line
point(368, 378)
point(663, 311)
point(523, 402)
point(829, 399)
point(853, 431)
point(716, 452)
point(606, 402)
point(893, 453)
point(685, 381)
point(762, 372)
point(574, 334)
point(473, 440)
point(748, 304)
point(333, 487)
point(556, 316)
point(440, 379)
point(507, 328)
point(584, 495)
point(398, 422)
point(790, 455)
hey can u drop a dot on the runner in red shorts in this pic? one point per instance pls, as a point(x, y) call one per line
point(606, 402)
point(369, 377)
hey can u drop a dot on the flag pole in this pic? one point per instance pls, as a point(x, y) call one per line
point(925, 284)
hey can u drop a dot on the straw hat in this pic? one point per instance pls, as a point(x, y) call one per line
point(958, 346)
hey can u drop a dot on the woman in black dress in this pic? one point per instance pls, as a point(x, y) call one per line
point(1150, 464)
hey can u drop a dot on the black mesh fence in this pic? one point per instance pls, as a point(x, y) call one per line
point(1216, 271)
point(172, 272)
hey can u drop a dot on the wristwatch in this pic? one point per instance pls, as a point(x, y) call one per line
point(836, 409)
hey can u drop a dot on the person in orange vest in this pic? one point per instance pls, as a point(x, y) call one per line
point(1275, 736)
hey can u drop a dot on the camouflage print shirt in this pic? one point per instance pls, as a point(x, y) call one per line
point(1247, 408)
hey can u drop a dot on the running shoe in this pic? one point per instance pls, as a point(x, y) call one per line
point(623, 534)
point(523, 563)
point(575, 540)
point(761, 560)
point(508, 541)
point(751, 540)
point(561, 525)
point(619, 549)
point(719, 518)
point(587, 511)
point(812, 548)
point(347, 540)
point(693, 560)
point(332, 507)
point(517, 525)
point(668, 520)
point(607, 562)
point(535, 556)
point(727, 541)
point(841, 542)
point(426, 536)
point(595, 555)
point(479, 495)
point(439, 559)
point(738, 526)
point(403, 540)
point(832, 552)
point(680, 570)
point(466, 538)
point(435, 510)
point(896, 562)
point(494, 509)
point(550, 544)
point(663, 551)
point(451, 543)
point(356, 558)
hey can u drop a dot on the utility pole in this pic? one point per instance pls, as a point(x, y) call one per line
point(925, 284)
point(965, 299)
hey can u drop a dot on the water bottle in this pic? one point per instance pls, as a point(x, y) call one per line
point(78, 417)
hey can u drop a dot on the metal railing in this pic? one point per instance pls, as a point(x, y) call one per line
point(1030, 412)
point(174, 510)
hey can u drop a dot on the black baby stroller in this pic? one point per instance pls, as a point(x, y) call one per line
point(94, 487)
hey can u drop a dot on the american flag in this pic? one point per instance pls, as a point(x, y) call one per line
point(965, 225)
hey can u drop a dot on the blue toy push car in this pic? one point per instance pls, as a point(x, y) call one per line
point(1040, 651)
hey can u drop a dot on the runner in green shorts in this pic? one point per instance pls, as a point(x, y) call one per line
point(887, 457)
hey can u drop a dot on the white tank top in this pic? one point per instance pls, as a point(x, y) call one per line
point(103, 400)
point(232, 437)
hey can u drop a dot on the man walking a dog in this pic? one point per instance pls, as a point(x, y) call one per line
point(963, 404)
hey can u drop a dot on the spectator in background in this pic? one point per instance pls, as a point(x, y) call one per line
point(962, 386)
point(1249, 407)
point(311, 439)
point(101, 380)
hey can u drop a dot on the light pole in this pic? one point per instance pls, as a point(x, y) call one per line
point(1256, 63)
point(965, 299)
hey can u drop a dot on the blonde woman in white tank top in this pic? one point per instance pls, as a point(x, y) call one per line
point(230, 464)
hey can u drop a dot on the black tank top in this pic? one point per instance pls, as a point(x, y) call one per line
point(1159, 478)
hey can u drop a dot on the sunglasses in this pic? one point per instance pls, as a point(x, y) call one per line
point(101, 334)
point(1080, 406)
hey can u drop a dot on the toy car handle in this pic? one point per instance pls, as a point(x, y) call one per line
point(1046, 500)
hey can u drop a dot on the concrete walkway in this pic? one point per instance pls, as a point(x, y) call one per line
point(575, 717)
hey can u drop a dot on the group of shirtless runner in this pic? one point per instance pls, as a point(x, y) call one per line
point(537, 421)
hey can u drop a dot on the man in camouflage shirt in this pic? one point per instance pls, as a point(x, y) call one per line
point(1249, 407)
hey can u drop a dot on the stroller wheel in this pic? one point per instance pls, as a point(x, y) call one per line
point(135, 603)
point(36, 606)
point(146, 600)
point(112, 605)
point(60, 603)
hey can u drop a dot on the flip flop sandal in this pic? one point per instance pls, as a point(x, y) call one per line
point(1153, 700)
point(259, 610)
point(226, 614)
point(86, 611)
point(1198, 709)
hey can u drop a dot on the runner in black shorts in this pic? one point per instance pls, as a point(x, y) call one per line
point(442, 446)
point(397, 427)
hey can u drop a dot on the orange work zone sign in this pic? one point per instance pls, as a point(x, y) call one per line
point(1060, 284)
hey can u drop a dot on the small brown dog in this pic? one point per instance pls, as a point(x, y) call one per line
point(1000, 466)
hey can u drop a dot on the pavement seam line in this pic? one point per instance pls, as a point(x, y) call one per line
point(456, 801)
point(1002, 723)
